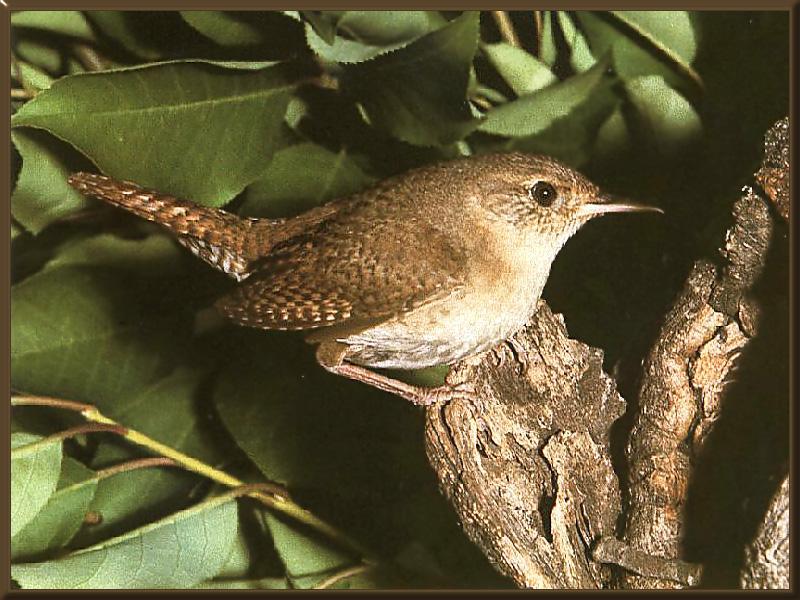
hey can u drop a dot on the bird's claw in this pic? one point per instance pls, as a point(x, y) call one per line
point(445, 393)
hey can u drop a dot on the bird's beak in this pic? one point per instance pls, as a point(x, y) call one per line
point(608, 203)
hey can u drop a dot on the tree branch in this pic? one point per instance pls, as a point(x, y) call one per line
point(527, 467)
point(683, 383)
point(767, 557)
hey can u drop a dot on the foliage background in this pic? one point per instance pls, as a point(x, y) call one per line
point(270, 113)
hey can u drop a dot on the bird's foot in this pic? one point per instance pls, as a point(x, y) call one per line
point(428, 396)
point(332, 358)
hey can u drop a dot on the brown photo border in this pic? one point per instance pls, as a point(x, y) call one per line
point(6, 6)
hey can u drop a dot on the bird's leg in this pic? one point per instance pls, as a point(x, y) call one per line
point(332, 356)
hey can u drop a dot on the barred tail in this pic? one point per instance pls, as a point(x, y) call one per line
point(224, 240)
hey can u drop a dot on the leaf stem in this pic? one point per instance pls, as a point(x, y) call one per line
point(506, 27)
point(20, 94)
point(25, 400)
point(273, 500)
point(538, 23)
point(90, 59)
point(482, 102)
point(341, 575)
point(139, 463)
point(83, 429)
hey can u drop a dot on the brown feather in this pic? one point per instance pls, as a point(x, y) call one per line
point(224, 240)
point(353, 268)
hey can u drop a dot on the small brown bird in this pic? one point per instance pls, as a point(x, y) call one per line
point(425, 268)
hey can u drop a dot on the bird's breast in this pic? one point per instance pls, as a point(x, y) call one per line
point(498, 297)
point(468, 321)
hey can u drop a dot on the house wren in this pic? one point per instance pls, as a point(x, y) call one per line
point(425, 268)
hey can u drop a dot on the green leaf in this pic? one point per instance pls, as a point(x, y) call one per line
point(30, 76)
point(265, 583)
point(182, 427)
point(99, 333)
point(532, 114)
point(548, 51)
point(106, 322)
point(127, 29)
point(666, 118)
point(613, 137)
point(580, 56)
point(300, 177)
point(35, 466)
point(282, 409)
point(644, 42)
point(302, 552)
point(240, 560)
point(370, 33)
point(430, 376)
point(384, 27)
point(136, 496)
point(176, 552)
point(42, 194)
point(310, 559)
point(193, 129)
point(572, 139)
point(239, 29)
point(38, 54)
point(343, 50)
point(419, 92)
point(322, 22)
point(62, 516)
point(64, 22)
point(224, 27)
point(109, 250)
point(523, 72)
point(132, 497)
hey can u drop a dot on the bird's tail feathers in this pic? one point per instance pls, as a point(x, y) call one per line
point(222, 239)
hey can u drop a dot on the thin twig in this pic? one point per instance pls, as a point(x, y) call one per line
point(69, 433)
point(506, 27)
point(274, 500)
point(25, 400)
point(84, 429)
point(538, 24)
point(482, 102)
point(20, 94)
point(133, 465)
point(89, 58)
point(341, 575)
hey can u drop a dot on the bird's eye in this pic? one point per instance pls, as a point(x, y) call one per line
point(544, 193)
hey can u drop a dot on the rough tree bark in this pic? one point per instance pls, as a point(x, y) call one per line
point(682, 387)
point(767, 557)
point(528, 467)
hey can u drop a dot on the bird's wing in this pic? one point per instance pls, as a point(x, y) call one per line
point(347, 276)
